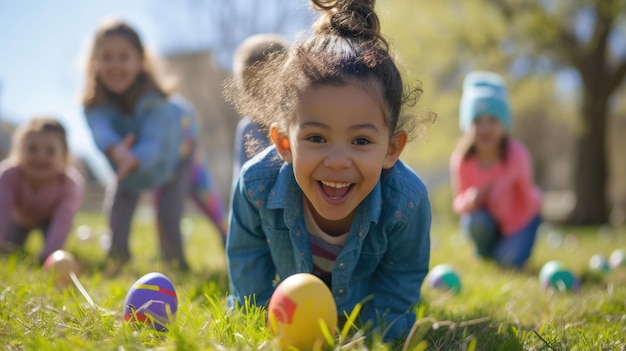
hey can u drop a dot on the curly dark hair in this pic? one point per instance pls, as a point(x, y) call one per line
point(346, 48)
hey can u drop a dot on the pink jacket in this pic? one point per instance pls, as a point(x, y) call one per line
point(56, 204)
point(514, 199)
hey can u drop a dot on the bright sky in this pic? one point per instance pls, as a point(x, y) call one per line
point(42, 44)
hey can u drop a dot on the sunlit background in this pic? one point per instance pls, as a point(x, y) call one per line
point(42, 46)
point(541, 48)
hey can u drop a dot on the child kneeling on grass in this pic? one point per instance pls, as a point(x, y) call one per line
point(494, 191)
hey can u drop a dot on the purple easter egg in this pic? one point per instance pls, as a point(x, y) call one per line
point(151, 300)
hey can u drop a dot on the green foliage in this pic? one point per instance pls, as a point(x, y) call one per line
point(439, 41)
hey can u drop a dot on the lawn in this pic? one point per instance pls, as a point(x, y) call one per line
point(495, 310)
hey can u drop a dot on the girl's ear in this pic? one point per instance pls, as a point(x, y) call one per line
point(281, 141)
point(396, 145)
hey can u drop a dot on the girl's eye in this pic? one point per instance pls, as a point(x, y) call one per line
point(32, 149)
point(361, 141)
point(315, 139)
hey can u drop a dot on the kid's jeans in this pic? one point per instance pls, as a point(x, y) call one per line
point(511, 251)
point(169, 203)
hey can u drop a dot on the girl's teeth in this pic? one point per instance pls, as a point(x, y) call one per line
point(335, 185)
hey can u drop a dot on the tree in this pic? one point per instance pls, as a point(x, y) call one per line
point(526, 38)
point(579, 34)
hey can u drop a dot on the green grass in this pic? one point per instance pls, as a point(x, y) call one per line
point(496, 309)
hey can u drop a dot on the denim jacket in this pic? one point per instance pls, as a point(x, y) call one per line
point(385, 257)
point(165, 130)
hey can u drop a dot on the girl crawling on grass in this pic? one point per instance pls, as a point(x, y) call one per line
point(331, 197)
point(39, 189)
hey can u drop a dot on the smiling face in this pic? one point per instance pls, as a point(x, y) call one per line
point(42, 156)
point(118, 63)
point(487, 132)
point(338, 144)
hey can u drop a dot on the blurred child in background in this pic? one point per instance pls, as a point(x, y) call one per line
point(39, 189)
point(492, 178)
point(250, 137)
point(149, 138)
point(331, 196)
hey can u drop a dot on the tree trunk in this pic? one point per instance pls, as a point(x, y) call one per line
point(591, 163)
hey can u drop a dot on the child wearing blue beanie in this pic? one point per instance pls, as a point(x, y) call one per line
point(484, 93)
point(494, 192)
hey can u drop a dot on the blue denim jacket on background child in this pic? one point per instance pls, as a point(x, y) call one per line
point(162, 141)
point(386, 254)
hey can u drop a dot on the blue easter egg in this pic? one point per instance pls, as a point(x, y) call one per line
point(556, 277)
point(444, 277)
point(151, 300)
point(548, 270)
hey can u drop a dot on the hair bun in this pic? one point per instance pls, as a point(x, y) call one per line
point(348, 18)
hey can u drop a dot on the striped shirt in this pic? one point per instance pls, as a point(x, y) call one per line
point(324, 247)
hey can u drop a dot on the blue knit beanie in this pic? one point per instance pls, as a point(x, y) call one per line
point(484, 93)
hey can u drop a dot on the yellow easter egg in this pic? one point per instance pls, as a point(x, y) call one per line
point(299, 309)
